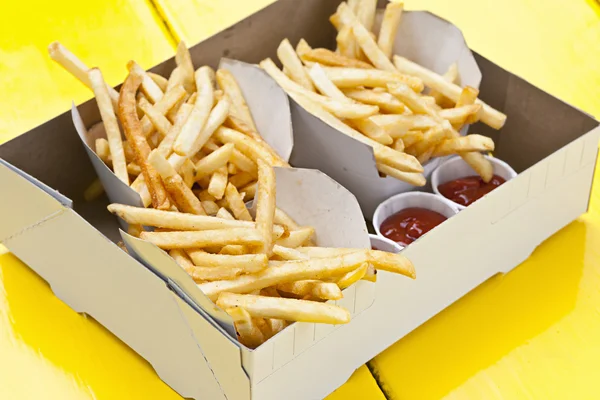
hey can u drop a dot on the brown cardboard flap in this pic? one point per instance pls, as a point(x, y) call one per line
point(538, 123)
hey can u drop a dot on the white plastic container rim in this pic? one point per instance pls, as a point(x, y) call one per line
point(385, 244)
point(456, 167)
point(401, 201)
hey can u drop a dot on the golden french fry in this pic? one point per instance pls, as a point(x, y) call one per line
point(148, 87)
point(182, 195)
point(223, 213)
point(332, 59)
point(291, 271)
point(231, 169)
point(324, 252)
point(289, 254)
point(249, 334)
point(365, 12)
point(244, 163)
point(385, 101)
point(302, 48)
point(312, 288)
point(77, 68)
point(397, 126)
point(93, 191)
point(103, 150)
point(398, 145)
point(210, 207)
point(391, 262)
point(370, 129)
point(113, 133)
point(297, 237)
point(135, 230)
point(215, 160)
point(192, 129)
point(364, 39)
point(237, 205)
point(489, 115)
point(249, 147)
point(389, 27)
point(464, 144)
point(371, 274)
point(411, 137)
point(412, 100)
point(414, 178)
point(160, 81)
point(346, 42)
point(339, 109)
point(468, 96)
point(325, 86)
point(191, 239)
point(285, 220)
point(451, 75)
point(133, 132)
point(250, 191)
point(233, 250)
point(187, 172)
point(205, 274)
point(185, 65)
point(265, 205)
point(288, 57)
point(241, 179)
point(352, 277)
point(480, 164)
point(346, 78)
point(239, 108)
point(246, 263)
point(460, 114)
point(183, 260)
point(133, 169)
point(129, 154)
point(160, 122)
point(276, 325)
point(218, 183)
point(286, 309)
point(432, 137)
point(164, 106)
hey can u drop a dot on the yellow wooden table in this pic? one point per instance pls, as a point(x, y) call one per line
point(534, 333)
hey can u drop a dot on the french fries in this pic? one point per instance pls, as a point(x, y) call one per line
point(406, 128)
point(113, 133)
point(197, 158)
point(286, 309)
point(133, 132)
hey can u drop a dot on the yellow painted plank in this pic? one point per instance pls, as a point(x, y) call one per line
point(552, 44)
point(48, 351)
point(360, 386)
point(104, 33)
point(534, 333)
point(196, 20)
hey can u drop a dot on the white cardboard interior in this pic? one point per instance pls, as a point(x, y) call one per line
point(552, 145)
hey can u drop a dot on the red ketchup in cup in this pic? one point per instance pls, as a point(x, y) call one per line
point(467, 190)
point(409, 224)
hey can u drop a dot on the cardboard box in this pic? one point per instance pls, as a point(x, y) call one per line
point(551, 144)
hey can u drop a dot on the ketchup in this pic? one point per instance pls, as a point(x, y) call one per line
point(409, 224)
point(469, 189)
